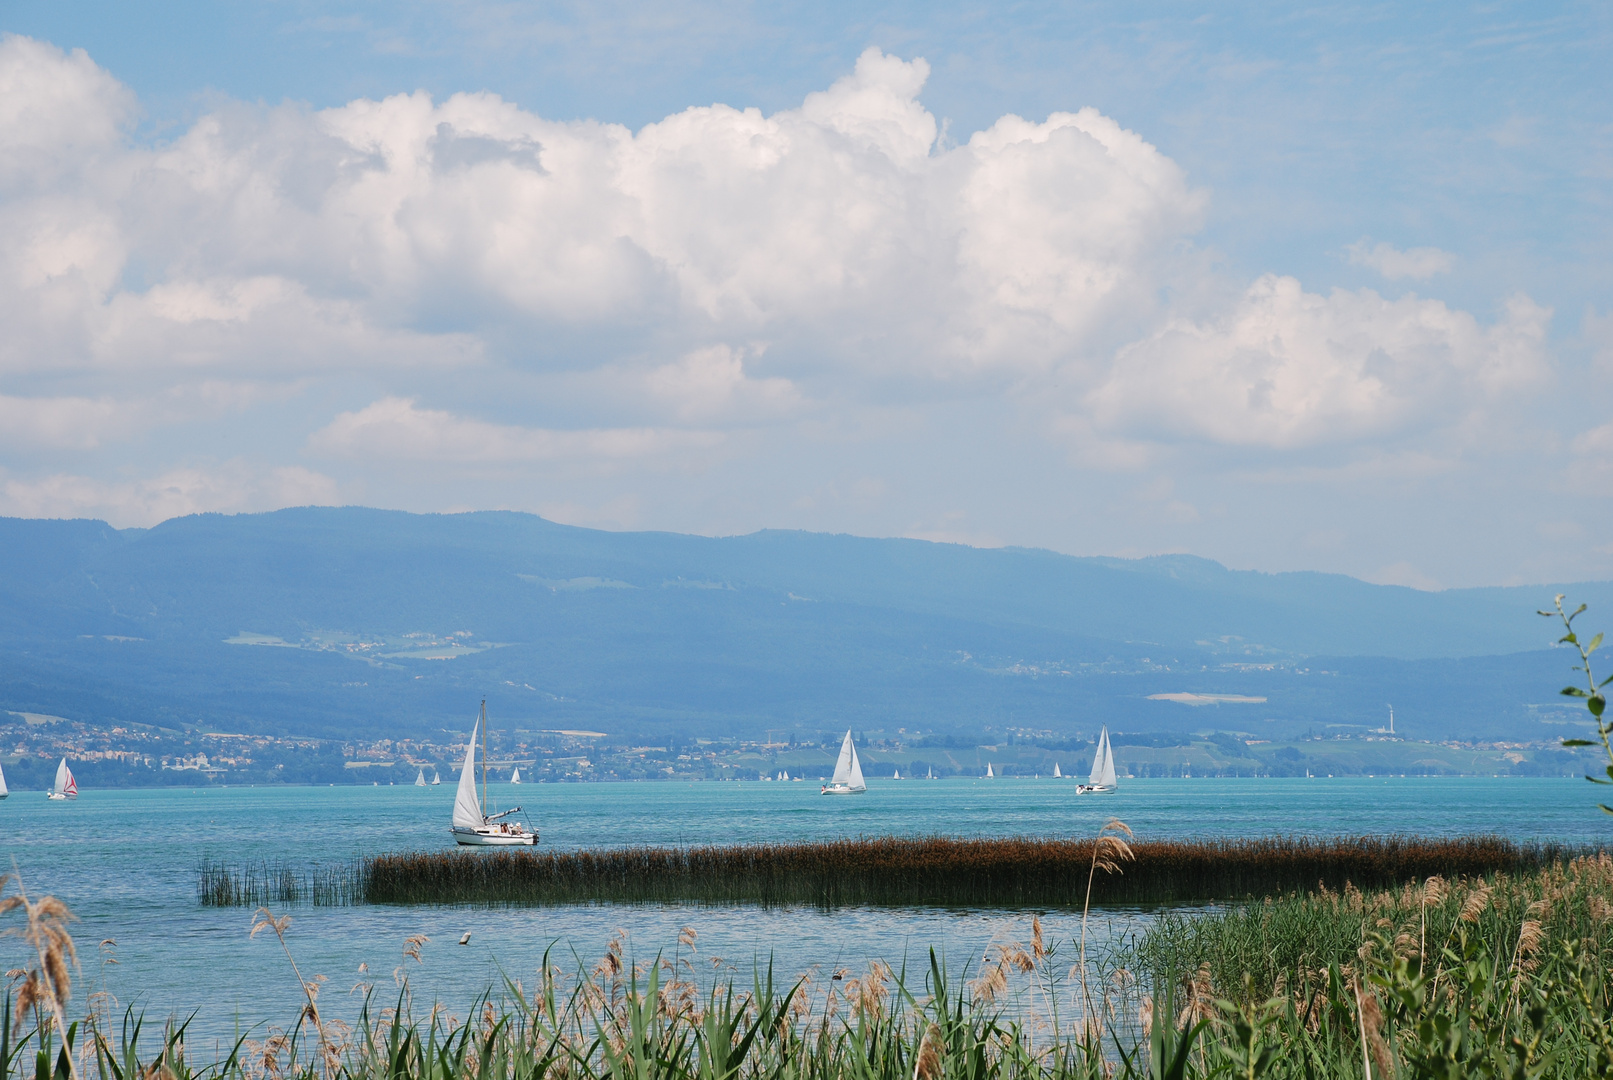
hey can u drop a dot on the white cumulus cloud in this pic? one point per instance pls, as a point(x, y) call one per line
point(234, 486)
point(395, 428)
point(838, 232)
point(725, 307)
point(1286, 368)
point(1419, 264)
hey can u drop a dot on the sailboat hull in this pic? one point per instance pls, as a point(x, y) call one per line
point(841, 789)
point(58, 795)
point(489, 836)
point(1094, 789)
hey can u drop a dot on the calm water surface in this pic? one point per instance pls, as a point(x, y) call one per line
point(126, 861)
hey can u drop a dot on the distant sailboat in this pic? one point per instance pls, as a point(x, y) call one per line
point(420, 779)
point(1102, 780)
point(896, 774)
point(989, 774)
point(515, 777)
point(66, 787)
point(436, 778)
point(1056, 774)
point(931, 775)
point(3, 790)
point(848, 777)
point(472, 824)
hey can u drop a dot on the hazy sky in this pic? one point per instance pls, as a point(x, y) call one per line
point(1328, 288)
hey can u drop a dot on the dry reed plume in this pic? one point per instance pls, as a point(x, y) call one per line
point(1442, 976)
point(48, 981)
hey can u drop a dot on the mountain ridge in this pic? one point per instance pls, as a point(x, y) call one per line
point(384, 617)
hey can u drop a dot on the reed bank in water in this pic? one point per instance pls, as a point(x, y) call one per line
point(1010, 873)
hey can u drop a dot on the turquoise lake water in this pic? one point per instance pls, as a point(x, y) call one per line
point(126, 862)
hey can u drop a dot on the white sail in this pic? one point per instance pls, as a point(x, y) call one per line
point(3, 790)
point(848, 775)
point(989, 774)
point(896, 774)
point(467, 807)
point(843, 763)
point(66, 787)
point(930, 775)
point(515, 777)
point(436, 777)
point(420, 779)
point(1103, 763)
point(1107, 777)
point(1056, 774)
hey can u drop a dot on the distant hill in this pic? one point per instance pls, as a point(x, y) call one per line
point(356, 621)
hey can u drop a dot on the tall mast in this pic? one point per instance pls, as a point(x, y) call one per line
point(484, 759)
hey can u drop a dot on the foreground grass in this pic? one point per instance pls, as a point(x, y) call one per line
point(1504, 976)
point(1013, 872)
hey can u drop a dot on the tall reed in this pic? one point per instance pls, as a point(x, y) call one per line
point(1504, 978)
point(278, 883)
point(1009, 873)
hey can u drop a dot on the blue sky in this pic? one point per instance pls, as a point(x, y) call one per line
point(1322, 288)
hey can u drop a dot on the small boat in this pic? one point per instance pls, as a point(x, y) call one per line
point(848, 777)
point(472, 824)
point(896, 774)
point(3, 790)
point(931, 776)
point(66, 787)
point(420, 780)
point(515, 777)
point(1057, 775)
point(989, 774)
point(436, 778)
point(1102, 780)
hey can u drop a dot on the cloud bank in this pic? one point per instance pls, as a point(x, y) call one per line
point(280, 303)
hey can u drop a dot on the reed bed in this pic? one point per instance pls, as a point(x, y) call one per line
point(1007, 873)
point(1506, 977)
point(278, 884)
point(1257, 948)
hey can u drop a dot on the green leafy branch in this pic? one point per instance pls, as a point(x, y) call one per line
point(1595, 699)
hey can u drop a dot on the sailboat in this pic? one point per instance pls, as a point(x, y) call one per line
point(931, 775)
point(436, 777)
point(896, 774)
point(66, 787)
point(420, 779)
point(472, 824)
point(3, 790)
point(1102, 780)
point(848, 777)
point(989, 774)
point(515, 777)
point(1056, 774)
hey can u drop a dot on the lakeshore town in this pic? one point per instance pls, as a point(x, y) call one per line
point(143, 756)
